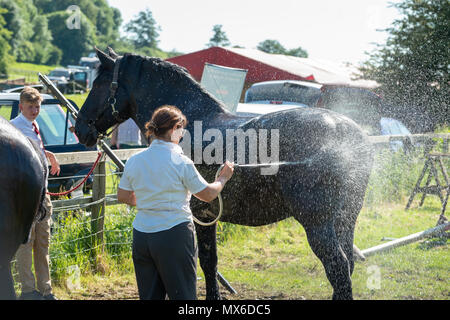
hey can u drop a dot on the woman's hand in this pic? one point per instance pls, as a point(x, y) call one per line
point(213, 189)
point(227, 171)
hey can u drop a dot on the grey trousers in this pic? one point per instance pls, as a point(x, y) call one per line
point(165, 262)
point(36, 249)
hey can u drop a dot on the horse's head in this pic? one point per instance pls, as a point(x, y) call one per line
point(108, 101)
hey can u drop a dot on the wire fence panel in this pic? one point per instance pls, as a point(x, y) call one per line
point(74, 243)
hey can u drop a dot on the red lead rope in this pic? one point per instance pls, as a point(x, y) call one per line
point(81, 183)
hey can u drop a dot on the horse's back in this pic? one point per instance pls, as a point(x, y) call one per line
point(330, 159)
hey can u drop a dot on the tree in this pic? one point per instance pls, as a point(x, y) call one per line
point(275, 47)
point(412, 67)
point(219, 38)
point(5, 35)
point(74, 43)
point(31, 38)
point(143, 31)
point(271, 46)
point(106, 20)
point(297, 52)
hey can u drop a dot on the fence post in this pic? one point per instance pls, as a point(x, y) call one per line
point(98, 210)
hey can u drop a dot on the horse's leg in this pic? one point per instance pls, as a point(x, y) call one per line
point(6, 282)
point(344, 227)
point(207, 252)
point(324, 243)
point(7, 250)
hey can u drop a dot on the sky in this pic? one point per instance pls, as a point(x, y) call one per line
point(336, 30)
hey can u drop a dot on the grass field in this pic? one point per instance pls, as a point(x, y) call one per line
point(29, 71)
point(275, 262)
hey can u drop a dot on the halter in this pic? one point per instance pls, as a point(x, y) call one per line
point(112, 91)
point(111, 102)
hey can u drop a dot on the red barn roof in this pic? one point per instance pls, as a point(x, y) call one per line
point(262, 66)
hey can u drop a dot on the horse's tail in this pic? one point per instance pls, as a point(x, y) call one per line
point(42, 209)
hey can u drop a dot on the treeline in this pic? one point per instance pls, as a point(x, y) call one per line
point(413, 65)
point(59, 32)
point(38, 32)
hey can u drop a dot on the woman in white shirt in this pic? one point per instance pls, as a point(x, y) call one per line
point(159, 181)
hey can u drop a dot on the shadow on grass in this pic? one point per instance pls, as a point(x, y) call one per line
point(434, 243)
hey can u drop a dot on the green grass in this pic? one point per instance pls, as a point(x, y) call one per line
point(277, 258)
point(29, 71)
point(77, 98)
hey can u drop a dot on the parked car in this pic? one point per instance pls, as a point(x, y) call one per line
point(257, 109)
point(70, 80)
point(90, 62)
point(284, 92)
point(362, 106)
point(59, 74)
point(54, 124)
point(38, 87)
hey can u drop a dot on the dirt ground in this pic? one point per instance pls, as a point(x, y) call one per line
point(127, 290)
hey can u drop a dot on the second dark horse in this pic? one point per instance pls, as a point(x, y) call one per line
point(22, 192)
point(324, 191)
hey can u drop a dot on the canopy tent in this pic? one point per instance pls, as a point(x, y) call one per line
point(262, 66)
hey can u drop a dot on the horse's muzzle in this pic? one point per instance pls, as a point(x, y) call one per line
point(86, 134)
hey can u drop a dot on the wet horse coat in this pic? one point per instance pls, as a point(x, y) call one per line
point(324, 193)
point(22, 191)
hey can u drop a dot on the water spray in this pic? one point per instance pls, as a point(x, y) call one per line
point(236, 165)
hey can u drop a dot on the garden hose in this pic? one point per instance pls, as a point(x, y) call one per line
point(219, 196)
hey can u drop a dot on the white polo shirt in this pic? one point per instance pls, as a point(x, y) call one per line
point(163, 180)
point(26, 127)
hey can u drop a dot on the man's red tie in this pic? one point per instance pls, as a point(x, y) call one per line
point(38, 135)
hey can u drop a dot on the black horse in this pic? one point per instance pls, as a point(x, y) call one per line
point(323, 190)
point(22, 185)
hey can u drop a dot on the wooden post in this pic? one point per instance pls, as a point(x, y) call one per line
point(98, 210)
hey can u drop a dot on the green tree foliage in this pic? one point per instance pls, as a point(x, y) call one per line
point(275, 47)
point(31, 40)
point(74, 43)
point(219, 38)
point(143, 30)
point(5, 36)
point(106, 19)
point(412, 67)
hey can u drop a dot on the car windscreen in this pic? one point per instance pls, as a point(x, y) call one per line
point(79, 76)
point(289, 92)
point(52, 124)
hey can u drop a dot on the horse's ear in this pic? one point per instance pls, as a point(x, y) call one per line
point(112, 54)
point(105, 60)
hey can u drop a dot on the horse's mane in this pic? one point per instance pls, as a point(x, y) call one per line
point(165, 67)
point(169, 71)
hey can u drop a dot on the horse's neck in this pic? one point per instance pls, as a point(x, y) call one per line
point(195, 104)
point(176, 89)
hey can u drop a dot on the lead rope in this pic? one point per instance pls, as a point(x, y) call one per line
point(81, 183)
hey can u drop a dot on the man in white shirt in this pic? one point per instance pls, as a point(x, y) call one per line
point(30, 106)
